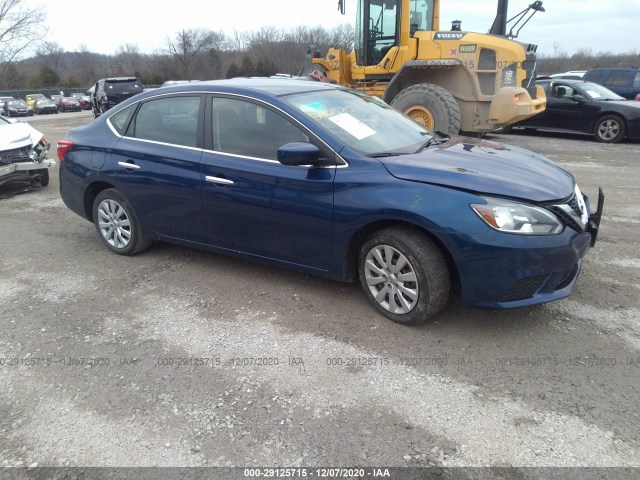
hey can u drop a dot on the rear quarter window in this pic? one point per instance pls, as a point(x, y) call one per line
point(120, 121)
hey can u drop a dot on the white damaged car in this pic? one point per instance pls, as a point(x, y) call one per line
point(23, 152)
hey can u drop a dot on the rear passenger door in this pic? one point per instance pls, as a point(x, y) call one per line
point(620, 82)
point(252, 203)
point(157, 164)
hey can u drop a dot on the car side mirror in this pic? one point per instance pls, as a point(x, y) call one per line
point(298, 153)
point(578, 98)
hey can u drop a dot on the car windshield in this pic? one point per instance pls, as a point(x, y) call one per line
point(17, 103)
point(598, 92)
point(124, 86)
point(365, 124)
point(69, 99)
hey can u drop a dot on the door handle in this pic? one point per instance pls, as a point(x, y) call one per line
point(221, 181)
point(128, 165)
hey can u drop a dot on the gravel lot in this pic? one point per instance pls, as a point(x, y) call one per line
point(178, 357)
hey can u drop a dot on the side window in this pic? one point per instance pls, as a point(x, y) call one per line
point(596, 76)
point(120, 120)
point(618, 78)
point(246, 128)
point(171, 120)
point(562, 92)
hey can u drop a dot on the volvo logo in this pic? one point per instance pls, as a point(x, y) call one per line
point(448, 36)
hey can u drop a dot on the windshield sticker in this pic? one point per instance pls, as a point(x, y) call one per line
point(593, 94)
point(352, 125)
point(312, 107)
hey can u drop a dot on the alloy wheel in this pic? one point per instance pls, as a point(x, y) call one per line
point(114, 223)
point(391, 279)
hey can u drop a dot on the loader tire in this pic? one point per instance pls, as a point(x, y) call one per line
point(430, 105)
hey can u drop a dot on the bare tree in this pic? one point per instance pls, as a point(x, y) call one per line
point(51, 53)
point(20, 26)
point(128, 59)
point(189, 43)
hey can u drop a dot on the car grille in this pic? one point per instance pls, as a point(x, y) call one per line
point(16, 155)
point(570, 213)
point(525, 288)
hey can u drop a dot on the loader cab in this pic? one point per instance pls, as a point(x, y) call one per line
point(379, 26)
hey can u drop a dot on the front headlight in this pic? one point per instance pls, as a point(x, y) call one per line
point(511, 217)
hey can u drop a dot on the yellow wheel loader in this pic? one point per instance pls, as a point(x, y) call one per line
point(450, 81)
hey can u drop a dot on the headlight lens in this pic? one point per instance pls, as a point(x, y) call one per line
point(510, 217)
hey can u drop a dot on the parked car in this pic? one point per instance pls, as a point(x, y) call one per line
point(625, 81)
point(108, 92)
point(83, 99)
point(332, 182)
point(586, 107)
point(57, 99)
point(16, 108)
point(23, 151)
point(32, 97)
point(68, 104)
point(3, 100)
point(571, 74)
point(44, 106)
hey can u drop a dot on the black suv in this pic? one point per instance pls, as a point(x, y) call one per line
point(108, 92)
point(625, 81)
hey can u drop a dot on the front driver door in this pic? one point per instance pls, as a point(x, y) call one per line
point(252, 203)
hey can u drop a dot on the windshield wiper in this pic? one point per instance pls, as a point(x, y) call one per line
point(427, 144)
point(385, 154)
point(437, 138)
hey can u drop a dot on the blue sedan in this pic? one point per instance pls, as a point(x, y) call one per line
point(332, 182)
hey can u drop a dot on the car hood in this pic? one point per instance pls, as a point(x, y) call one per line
point(14, 135)
point(486, 168)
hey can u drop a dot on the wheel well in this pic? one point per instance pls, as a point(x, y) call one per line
point(610, 114)
point(90, 195)
point(361, 236)
point(455, 80)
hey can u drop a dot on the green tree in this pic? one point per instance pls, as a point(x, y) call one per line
point(247, 69)
point(48, 77)
point(233, 71)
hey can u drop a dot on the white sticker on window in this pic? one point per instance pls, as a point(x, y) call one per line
point(593, 94)
point(352, 125)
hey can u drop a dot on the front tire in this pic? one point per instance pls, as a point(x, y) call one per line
point(117, 223)
point(430, 105)
point(44, 177)
point(609, 129)
point(404, 274)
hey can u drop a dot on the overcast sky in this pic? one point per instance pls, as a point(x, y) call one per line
point(601, 25)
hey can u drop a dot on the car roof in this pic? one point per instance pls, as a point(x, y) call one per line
point(121, 79)
point(271, 86)
point(570, 81)
point(617, 67)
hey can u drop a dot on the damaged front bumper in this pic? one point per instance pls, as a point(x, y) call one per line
point(593, 225)
point(35, 161)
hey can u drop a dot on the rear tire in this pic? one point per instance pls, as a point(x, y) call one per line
point(430, 105)
point(117, 223)
point(404, 274)
point(609, 129)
